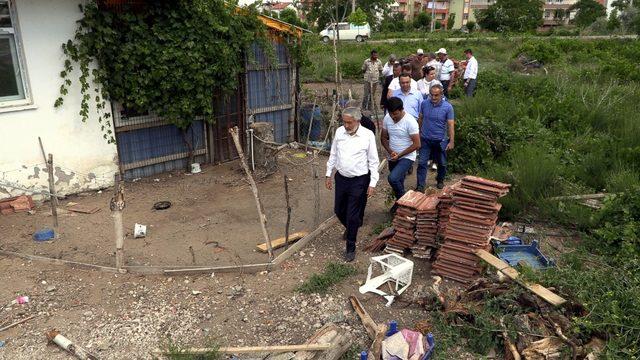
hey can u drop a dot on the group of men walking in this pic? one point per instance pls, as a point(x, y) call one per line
point(418, 125)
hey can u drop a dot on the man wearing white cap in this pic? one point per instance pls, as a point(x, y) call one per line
point(446, 70)
point(418, 61)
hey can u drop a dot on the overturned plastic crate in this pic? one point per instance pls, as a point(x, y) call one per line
point(529, 255)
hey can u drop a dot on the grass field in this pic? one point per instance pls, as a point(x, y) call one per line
point(570, 128)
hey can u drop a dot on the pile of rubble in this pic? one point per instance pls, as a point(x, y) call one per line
point(471, 222)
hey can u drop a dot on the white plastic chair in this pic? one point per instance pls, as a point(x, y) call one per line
point(394, 268)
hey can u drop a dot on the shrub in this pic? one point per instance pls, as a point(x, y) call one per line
point(471, 26)
point(618, 232)
point(542, 51)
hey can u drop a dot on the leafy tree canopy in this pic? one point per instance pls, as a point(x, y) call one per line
point(167, 58)
point(324, 11)
point(587, 11)
point(422, 21)
point(511, 16)
point(289, 15)
point(358, 17)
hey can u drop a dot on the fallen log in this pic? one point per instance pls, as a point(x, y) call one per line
point(328, 334)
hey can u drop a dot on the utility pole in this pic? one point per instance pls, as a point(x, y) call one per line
point(433, 15)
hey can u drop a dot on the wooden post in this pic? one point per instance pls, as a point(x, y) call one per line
point(117, 206)
point(53, 199)
point(313, 109)
point(286, 196)
point(263, 219)
point(316, 190)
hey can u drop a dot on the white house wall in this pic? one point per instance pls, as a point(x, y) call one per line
point(82, 158)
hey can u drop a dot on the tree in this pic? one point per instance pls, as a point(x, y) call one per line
point(438, 25)
point(422, 21)
point(613, 22)
point(289, 15)
point(358, 17)
point(451, 21)
point(471, 25)
point(587, 11)
point(392, 22)
point(324, 12)
point(511, 16)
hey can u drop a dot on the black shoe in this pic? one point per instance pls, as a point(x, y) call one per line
point(420, 189)
point(440, 185)
point(350, 256)
point(393, 209)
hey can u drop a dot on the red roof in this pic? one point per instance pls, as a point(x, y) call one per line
point(279, 6)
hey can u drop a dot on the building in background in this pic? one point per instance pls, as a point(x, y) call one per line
point(555, 12)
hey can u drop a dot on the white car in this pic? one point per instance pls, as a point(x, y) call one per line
point(346, 31)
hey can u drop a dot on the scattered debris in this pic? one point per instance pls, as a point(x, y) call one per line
point(529, 255)
point(84, 209)
point(195, 168)
point(139, 231)
point(162, 205)
point(252, 349)
point(20, 300)
point(17, 323)
point(512, 273)
point(408, 344)
point(22, 203)
point(375, 331)
point(55, 337)
point(44, 235)
point(396, 269)
point(280, 242)
point(380, 241)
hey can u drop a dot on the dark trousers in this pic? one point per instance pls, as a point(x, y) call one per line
point(437, 150)
point(397, 172)
point(470, 88)
point(445, 88)
point(350, 201)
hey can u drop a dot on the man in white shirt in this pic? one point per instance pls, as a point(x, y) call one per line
point(470, 73)
point(434, 63)
point(401, 138)
point(354, 156)
point(446, 71)
point(387, 69)
point(395, 83)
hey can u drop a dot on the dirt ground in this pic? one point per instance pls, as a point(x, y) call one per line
point(125, 316)
point(215, 205)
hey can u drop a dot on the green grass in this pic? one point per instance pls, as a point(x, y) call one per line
point(333, 274)
point(175, 350)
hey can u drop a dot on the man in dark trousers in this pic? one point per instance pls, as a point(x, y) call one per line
point(354, 156)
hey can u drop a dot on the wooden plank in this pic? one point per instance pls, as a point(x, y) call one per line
point(252, 268)
point(254, 349)
point(305, 240)
point(512, 273)
point(280, 242)
point(74, 264)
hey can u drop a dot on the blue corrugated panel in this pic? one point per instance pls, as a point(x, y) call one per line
point(280, 121)
point(268, 88)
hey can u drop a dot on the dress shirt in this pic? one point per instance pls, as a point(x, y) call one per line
point(471, 72)
point(387, 70)
point(354, 155)
point(395, 84)
point(411, 101)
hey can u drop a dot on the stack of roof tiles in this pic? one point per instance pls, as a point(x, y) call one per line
point(471, 221)
point(444, 208)
point(426, 227)
point(404, 222)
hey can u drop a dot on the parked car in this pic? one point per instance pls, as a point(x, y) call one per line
point(346, 31)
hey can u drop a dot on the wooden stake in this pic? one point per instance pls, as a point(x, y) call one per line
point(52, 192)
point(117, 206)
point(306, 144)
point(263, 219)
point(376, 331)
point(286, 196)
point(52, 189)
point(316, 190)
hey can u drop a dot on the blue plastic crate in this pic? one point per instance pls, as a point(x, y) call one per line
point(528, 254)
